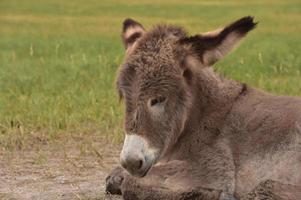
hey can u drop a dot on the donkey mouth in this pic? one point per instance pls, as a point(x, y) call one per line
point(143, 171)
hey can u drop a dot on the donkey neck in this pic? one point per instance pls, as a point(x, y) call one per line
point(212, 90)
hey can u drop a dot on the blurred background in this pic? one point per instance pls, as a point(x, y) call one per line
point(58, 61)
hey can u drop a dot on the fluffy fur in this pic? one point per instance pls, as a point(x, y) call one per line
point(218, 139)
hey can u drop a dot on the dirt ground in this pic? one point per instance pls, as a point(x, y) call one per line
point(73, 169)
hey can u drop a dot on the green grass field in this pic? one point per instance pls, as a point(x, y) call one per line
point(58, 58)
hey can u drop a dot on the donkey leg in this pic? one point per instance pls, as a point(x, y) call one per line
point(273, 190)
point(114, 181)
point(136, 190)
point(132, 188)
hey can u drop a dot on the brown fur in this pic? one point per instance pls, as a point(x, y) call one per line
point(217, 138)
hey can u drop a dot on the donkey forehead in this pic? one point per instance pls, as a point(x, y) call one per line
point(157, 45)
point(148, 78)
point(150, 64)
point(149, 74)
point(153, 60)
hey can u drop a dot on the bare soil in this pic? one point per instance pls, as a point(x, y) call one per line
point(66, 169)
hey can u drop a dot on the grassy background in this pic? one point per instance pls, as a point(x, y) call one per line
point(58, 58)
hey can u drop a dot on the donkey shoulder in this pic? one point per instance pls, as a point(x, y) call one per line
point(256, 105)
point(260, 116)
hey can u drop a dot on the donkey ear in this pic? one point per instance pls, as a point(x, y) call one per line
point(131, 31)
point(212, 46)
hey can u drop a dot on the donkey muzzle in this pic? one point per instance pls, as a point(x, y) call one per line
point(136, 156)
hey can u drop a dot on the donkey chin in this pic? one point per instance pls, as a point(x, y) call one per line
point(136, 155)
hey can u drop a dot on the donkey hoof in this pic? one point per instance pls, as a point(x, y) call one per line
point(114, 181)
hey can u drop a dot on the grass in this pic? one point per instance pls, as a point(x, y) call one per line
point(58, 58)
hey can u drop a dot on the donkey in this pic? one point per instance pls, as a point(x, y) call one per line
point(192, 134)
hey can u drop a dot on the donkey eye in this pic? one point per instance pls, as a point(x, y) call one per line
point(157, 101)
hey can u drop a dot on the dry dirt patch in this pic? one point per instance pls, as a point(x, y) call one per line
point(61, 170)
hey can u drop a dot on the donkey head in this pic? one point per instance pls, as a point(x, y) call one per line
point(156, 81)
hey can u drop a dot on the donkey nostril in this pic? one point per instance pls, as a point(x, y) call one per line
point(132, 164)
point(140, 164)
point(136, 164)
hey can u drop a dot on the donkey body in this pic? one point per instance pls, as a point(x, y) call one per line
point(192, 134)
